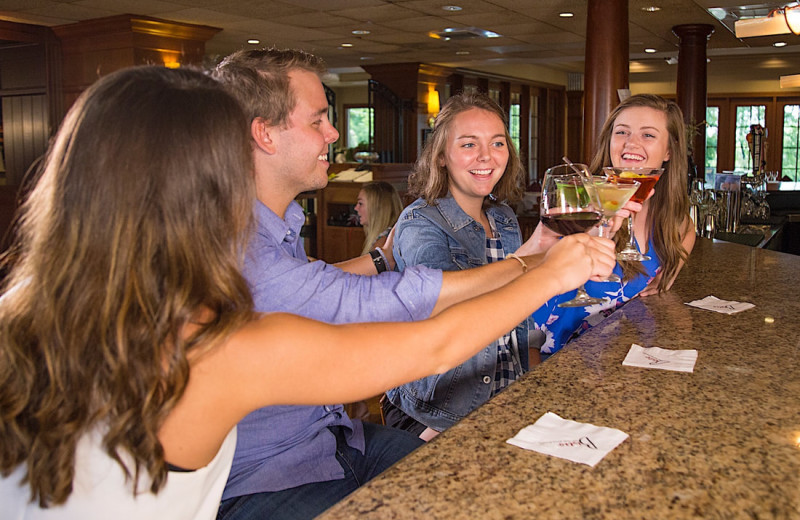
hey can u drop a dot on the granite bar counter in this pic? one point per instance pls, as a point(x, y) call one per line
point(721, 442)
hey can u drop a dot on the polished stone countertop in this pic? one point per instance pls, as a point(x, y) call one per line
point(721, 442)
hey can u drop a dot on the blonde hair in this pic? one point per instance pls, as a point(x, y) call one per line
point(383, 206)
point(134, 229)
point(429, 178)
point(669, 206)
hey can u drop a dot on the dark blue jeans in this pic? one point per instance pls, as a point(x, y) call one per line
point(384, 447)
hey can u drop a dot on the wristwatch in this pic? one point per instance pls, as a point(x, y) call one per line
point(377, 259)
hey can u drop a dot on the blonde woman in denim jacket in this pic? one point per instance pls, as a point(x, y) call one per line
point(465, 177)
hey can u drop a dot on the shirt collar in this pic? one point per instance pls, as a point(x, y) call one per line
point(452, 212)
point(456, 217)
point(270, 224)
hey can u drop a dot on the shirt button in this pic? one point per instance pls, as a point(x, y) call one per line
point(487, 379)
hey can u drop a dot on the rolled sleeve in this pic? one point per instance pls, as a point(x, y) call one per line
point(323, 292)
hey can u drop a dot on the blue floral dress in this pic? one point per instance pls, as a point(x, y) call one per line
point(561, 324)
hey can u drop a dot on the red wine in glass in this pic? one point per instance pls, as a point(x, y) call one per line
point(570, 205)
point(569, 223)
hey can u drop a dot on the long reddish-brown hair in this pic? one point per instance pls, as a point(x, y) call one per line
point(669, 206)
point(136, 224)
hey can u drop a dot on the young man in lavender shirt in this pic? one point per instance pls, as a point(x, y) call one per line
point(296, 461)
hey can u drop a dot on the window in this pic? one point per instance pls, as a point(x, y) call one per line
point(712, 138)
point(533, 146)
point(359, 126)
point(791, 142)
point(513, 120)
point(746, 116)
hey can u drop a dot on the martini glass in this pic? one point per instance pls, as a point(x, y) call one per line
point(613, 192)
point(570, 205)
point(647, 178)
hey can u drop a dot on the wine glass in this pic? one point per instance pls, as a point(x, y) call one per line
point(647, 177)
point(570, 205)
point(613, 192)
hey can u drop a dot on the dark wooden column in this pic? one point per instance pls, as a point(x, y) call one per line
point(606, 68)
point(692, 85)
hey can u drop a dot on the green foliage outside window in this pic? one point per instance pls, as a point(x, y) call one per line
point(712, 137)
point(746, 116)
point(358, 127)
point(791, 142)
point(514, 125)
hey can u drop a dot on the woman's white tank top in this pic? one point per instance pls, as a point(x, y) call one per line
point(100, 490)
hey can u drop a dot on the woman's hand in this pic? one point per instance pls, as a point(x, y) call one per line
point(626, 211)
point(580, 257)
point(652, 287)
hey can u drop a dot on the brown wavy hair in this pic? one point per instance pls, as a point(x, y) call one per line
point(429, 179)
point(669, 206)
point(135, 226)
point(259, 79)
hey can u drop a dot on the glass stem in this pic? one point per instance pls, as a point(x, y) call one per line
point(604, 225)
point(630, 232)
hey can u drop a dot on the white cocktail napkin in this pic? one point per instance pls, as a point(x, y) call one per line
point(565, 439)
point(654, 357)
point(712, 303)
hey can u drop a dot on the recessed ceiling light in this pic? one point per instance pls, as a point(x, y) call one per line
point(566, 15)
point(347, 45)
point(451, 8)
point(365, 58)
point(462, 53)
point(253, 41)
point(779, 44)
point(360, 32)
point(649, 51)
point(651, 9)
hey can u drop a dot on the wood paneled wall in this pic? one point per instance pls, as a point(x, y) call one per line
point(25, 133)
point(29, 75)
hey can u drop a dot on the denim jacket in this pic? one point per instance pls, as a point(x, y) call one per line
point(444, 237)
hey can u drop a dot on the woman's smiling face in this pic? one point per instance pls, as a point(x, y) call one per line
point(476, 153)
point(639, 138)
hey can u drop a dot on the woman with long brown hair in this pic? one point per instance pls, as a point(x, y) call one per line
point(466, 178)
point(128, 346)
point(644, 131)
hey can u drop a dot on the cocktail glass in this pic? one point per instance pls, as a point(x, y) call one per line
point(570, 205)
point(614, 192)
point(647, 178)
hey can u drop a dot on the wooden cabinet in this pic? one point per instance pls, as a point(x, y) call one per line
point(337, 241)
